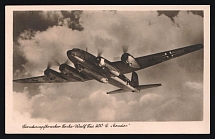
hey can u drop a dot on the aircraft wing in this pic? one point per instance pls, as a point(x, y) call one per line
point(150, 60)
point(43, 79)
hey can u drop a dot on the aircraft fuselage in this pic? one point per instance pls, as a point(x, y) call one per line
point(99, 68)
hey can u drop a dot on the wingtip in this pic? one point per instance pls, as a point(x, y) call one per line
point(159, 84)
point(16, 81)
point(200, 45)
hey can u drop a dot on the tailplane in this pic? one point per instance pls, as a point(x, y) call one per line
point(141, 87)
point(135, 84)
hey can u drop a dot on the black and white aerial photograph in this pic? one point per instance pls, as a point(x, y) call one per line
point(106, 66)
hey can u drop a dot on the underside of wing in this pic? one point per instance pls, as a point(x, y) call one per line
point(42, 79)
point(150, 60)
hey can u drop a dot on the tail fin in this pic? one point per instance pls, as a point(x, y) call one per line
point(134, 80)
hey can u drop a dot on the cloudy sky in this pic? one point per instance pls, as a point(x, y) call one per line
point(43, 36)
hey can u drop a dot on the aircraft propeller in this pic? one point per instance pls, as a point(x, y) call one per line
point(125, 48)
point(99, 52)
point(49, 65)
point(56, 63)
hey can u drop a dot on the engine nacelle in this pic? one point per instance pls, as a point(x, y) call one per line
point(54, 75)
point(70, 72)
point(91, 73)
point(129, 60)
point(106, 65)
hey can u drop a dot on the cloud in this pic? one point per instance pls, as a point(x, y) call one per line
point(107, 114)
point(21, 102)
point(194, 85)
point(178, 99)
point(44, 47)
point(51, 15)
point(22, 108)
point(67, 107)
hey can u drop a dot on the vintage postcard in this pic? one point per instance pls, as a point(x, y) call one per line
point(107, 69)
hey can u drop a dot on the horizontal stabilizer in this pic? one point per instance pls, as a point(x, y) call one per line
point(140, 87)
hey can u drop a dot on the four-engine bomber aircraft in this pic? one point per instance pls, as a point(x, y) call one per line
point(89, 67)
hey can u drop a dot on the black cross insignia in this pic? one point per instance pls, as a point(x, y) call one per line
point(169, 54)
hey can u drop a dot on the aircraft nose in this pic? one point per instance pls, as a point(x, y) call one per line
point(73, 52)
point(69, 53)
